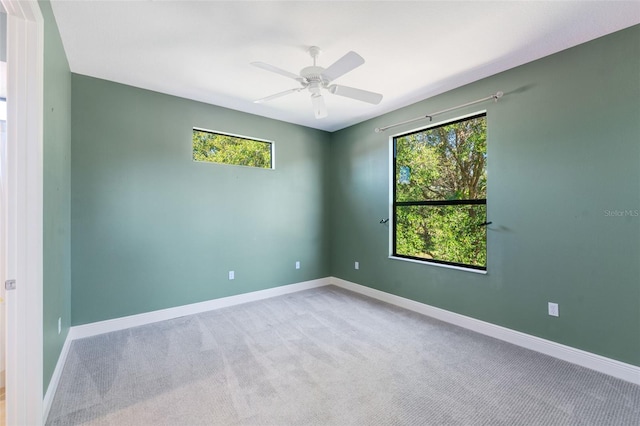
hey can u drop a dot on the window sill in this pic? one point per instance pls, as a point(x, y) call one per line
point(440, 265)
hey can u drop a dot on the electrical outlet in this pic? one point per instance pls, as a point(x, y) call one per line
point(232, 275)
point(59, 325)
point(553, 309)
point(298, 264)
point(356, 265)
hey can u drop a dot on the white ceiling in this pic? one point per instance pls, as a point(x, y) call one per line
point(201, 50)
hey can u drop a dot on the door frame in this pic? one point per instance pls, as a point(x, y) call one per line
point(23, 210)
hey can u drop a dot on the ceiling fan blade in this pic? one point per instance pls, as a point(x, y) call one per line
point(277, 70)
point(319, 108)
point(277, 95)
point(343, 65)
point(358, 94)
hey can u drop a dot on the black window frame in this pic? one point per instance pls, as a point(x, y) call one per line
point(395, 203)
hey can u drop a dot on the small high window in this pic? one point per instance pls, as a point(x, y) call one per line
point(215, 147)
point(439, 194)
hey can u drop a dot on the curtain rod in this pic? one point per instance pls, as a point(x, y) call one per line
point(495, 97)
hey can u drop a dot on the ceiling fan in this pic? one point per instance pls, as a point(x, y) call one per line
point(316, 78)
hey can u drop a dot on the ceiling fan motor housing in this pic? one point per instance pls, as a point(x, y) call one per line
point(313, 74)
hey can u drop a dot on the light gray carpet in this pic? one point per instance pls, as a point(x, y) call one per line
point(326, 357)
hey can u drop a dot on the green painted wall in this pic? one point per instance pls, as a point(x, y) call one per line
point(152, 229)
point(57, 194)
point(563, 149)
point(3, 37)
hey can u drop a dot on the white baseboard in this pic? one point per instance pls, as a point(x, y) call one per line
point(595, 362)
point(55, 378)
point(611, 367)
point(93, 329)
point(100, 327)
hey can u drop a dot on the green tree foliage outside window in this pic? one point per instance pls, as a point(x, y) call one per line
point(220, 148)
point(440, 193)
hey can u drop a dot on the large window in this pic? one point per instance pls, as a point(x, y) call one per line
point(216, 147)
point(439, 194)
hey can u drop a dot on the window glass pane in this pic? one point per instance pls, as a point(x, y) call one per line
point(449, 233)
point(220, 148)
point(443, 163)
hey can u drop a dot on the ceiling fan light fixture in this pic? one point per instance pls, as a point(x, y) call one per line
point(319, 108)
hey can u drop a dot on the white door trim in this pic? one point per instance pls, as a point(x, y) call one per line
point(24, 211)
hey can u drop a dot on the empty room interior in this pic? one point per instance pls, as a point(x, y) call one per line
point(448, 233)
